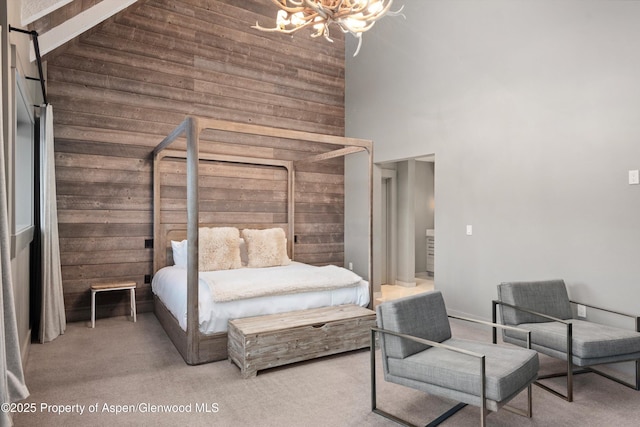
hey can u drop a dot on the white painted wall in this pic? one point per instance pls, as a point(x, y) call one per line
point(531, 108)
point(356, 249)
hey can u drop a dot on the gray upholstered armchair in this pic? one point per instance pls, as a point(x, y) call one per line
point(418, 351)
point(544, 308)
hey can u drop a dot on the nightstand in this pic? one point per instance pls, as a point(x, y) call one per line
point(115, 286)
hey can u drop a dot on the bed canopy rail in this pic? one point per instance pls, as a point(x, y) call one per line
point(331, 154)
point(191, 129)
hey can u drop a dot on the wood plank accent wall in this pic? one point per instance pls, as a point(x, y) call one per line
point(118, 90)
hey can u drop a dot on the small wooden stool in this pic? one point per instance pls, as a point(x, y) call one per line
point(117, 286)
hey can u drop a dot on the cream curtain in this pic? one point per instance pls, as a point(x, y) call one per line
point(52, 319)
point(12, 386)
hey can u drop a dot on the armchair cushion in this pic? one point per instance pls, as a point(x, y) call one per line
point(507, 368)
point(424, 318)
point(592, 343)
point(548, 297)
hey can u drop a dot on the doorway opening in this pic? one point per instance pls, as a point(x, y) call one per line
point(407, 227)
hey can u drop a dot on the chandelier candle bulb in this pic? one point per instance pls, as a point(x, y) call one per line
point(351, 16)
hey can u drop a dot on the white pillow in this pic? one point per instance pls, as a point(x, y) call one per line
point(218, 248)
point(266, 248)
point(179, 253)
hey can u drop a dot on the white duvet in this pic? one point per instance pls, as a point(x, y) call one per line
point(231, 294)
point(231, 285)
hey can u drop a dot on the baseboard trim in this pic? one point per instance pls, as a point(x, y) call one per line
point(405, 284)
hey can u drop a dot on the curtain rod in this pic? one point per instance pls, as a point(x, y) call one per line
point(36, 47)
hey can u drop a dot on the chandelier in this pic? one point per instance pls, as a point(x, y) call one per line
point(351, 16)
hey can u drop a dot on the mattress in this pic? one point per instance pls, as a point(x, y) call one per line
point(170, 285)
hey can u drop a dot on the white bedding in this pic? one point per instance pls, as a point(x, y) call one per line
point(169, 284)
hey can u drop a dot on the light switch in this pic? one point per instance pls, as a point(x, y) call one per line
point(582, 311)
point(634, 177)
point(469, 230)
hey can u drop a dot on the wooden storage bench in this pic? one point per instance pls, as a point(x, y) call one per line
point(263, 342)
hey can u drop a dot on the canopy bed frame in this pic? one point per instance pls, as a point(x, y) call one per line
point(194, 346)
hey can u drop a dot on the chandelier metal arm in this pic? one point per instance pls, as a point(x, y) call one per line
point(282, 30)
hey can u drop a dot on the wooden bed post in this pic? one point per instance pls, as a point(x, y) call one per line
point(193, 331)
point(370, 257)
point(291, 206)
point(157, 232)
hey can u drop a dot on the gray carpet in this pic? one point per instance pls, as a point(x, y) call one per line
point(136, 365)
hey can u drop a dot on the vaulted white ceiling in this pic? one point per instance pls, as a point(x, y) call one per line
point(31, 10)
point(73, 27)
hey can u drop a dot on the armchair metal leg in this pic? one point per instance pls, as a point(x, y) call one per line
point(635, 386)
point(569, 376)
point(523, 412)
point(569, 396)
point(570, 373)
point(483, 416)
point(446, 415)
point(483, 388)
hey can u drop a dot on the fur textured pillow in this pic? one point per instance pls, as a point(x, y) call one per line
point(266, 248)
point(218, 248)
